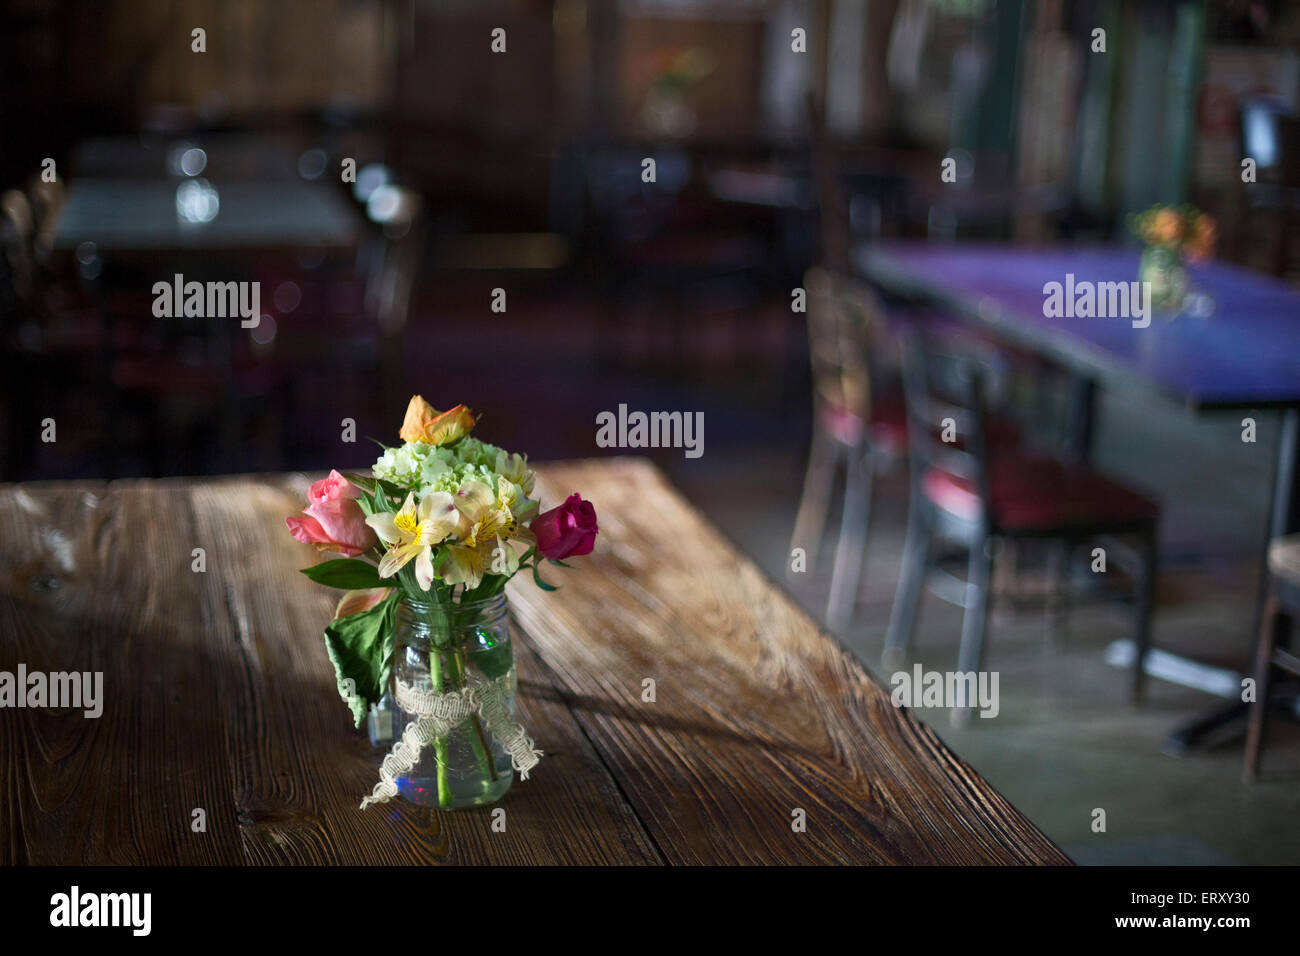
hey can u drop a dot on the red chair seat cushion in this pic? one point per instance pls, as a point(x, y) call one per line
point(888, 428)
point(889, 424)
point(1030, 493)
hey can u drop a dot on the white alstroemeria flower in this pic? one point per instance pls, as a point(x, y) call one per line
point(413, 531)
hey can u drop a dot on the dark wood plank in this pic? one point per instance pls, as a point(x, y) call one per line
point(98, 579)
point(220, 696)
point(757, 712)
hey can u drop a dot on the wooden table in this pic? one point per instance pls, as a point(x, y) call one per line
point(218, 695)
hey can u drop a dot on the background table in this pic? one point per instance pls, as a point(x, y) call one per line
point(138, 216)
point(1246, 355)
point(219, 695)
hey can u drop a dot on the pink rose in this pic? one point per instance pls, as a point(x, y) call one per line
point(333, 521)
point(567, 530)
point(335, 486)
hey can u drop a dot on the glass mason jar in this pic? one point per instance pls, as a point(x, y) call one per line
point(1163, 268)
point(443, 648)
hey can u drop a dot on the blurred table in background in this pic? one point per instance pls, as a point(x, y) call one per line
point(255, 220)
point(258, 155)
point(1243, 355)
point(140, 216)
point(218, 695)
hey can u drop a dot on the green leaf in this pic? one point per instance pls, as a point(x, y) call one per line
point(369, 485)
point(559, 563)
point(364, 482)
point(360, 647)
point(537, 579)
point(348, 574)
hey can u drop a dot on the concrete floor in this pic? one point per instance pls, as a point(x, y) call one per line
point(1067, 740)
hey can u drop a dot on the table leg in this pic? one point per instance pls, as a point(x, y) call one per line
point(1284, 518)
point(1284, 515)
point(1081, 416)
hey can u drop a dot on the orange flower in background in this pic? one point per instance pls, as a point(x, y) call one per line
point(1168, 226)
point(425, 423)
point(1204, 235)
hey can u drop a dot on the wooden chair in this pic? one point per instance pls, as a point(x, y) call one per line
point(17, 242)
point(850, 431)
point(1282, 606)
point(47, 200)
point(23, 370)
point(972, 489)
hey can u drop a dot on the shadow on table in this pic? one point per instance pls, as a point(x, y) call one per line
point(603, 705)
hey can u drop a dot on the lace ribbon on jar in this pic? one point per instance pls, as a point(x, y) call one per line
point(436, 714)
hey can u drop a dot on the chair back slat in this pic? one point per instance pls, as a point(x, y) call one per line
point(945, 411)
point(843, 316)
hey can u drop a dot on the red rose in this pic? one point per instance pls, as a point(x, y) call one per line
point(567, 530)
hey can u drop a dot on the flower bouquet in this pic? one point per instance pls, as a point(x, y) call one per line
point(1173, 236)
point(429, 541)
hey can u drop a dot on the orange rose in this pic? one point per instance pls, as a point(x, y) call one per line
point(1168, 226)
point(425, 423)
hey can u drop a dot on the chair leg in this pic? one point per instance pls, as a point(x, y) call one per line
point(975, 621)
point(1268, 631)
point(1056, 604)
point(850, 550)
point(811, 520)
point(1146, 596)
point(912, 571)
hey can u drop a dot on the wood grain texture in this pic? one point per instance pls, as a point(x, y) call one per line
point(757, 712)
point(218, 695)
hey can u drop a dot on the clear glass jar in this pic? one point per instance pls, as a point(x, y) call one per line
point(1163, 268)
point(445, 648)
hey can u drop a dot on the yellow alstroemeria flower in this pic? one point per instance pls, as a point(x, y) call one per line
point(463, 564)
point(413, 531)
point(514, 468)
point(489, 522)
point(486, 514)
point(482, 517)
point(424, 423)
point(467, 564)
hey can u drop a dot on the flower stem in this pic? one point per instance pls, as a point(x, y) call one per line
point(439, 743)
point(479, 740)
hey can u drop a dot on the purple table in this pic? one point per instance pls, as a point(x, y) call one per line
point(1245, 355)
